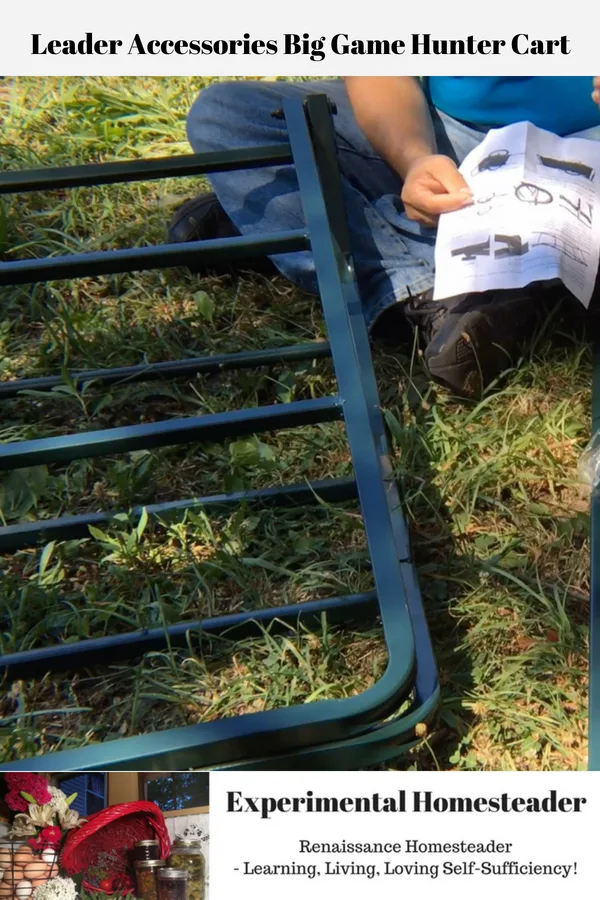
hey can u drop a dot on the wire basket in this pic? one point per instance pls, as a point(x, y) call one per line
point(102, 847)
point(24, 869)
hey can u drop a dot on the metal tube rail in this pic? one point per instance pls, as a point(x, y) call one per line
point(209, 428)
point(68, 528)
point(137, 259)
point(207, 365)
point(50, 179)
point(126, 646)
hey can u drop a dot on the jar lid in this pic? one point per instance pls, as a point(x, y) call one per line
point(146, 844)
point(179, 874)
point(149, 863)
point(187, 847)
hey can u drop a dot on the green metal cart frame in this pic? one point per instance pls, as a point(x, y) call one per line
point(348, 733)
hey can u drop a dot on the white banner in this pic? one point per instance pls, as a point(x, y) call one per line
point(308, 38)
point(323, 835)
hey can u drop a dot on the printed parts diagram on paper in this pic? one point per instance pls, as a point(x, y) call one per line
point(535, 216)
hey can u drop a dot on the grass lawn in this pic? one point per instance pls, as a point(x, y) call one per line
point(499, 525)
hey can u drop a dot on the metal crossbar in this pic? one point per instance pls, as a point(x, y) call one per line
point(215, 427)
point(330, 733)
point(594, 639)
point(206, 365)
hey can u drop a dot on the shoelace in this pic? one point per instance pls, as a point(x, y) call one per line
point(425, 312)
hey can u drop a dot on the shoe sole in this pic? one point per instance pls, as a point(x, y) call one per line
point(186, 225)
point(469, 376)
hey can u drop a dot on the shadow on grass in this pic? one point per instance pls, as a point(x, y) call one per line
point(406, 395)
point(500, 534)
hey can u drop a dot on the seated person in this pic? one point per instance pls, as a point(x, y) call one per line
point(400, 141)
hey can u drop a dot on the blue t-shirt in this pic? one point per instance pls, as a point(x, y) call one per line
point(562, 105)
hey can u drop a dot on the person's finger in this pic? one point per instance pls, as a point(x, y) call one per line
point(414, 211)
point(596, 82)
point(596, 96)
point(446, 173)
point(434, 204)
point(416, 215)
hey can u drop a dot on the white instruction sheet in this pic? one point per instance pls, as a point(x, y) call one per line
point(535, 215)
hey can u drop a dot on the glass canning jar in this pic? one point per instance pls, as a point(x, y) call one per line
point(172, 883)
point(145, 878)
point(187, 854)
point(145, 850)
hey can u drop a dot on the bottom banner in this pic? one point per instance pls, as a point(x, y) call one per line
point(282, 834)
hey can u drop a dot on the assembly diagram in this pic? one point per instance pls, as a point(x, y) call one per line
point(504, 245)
point(527, 192)
point(514, 245)
point(568, 167)
point(496, 159)
point(561, 245)
point(583, 211)
point(534, 216)
point(487, 203)
point(471, 251)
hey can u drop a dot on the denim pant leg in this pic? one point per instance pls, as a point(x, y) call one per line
point(234, 114)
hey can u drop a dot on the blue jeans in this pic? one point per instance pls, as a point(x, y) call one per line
point(393, 256)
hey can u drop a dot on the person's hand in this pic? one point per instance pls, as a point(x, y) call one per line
point(433, 185)
point(596, 91)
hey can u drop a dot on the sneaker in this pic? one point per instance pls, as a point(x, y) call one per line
point(203, 219)
point(472, 339)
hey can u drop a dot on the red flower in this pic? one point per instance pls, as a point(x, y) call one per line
point(51, 835)
point(35, 843)
point(14, 800)
point(41, 795)
point(30, 783)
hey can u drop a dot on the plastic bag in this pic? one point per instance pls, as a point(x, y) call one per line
point(589, 463)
